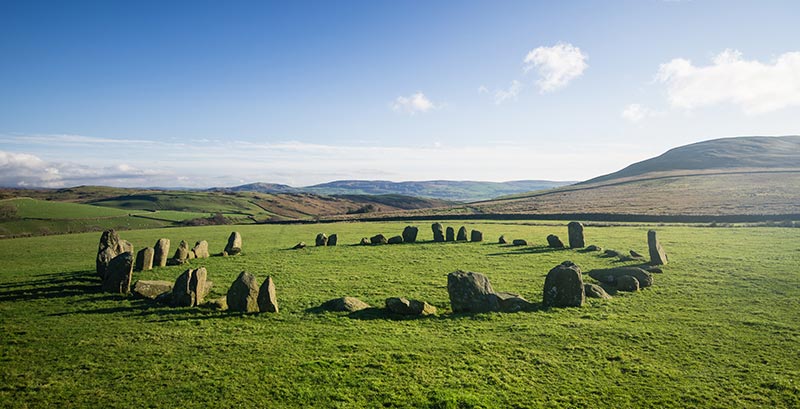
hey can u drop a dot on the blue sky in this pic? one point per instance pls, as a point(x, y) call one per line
point(202, 94)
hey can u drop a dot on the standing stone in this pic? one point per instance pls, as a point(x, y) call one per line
point(450, 234)
point(575, 231)
point(657, 255)
point(554, 242)
point(182, 253)
point(267, 300)
point(243, 294)
point(234, 245)
point(118, 276)
point(108, 248)
point(438, 235)
point(563, 286)
point(404, 306)
point(476, 235)
point(161, 253)
point(410, 234)
point(144, 259)
point(471, 292)
point(502, 240)
point(190, 288)
point(321, 240)
point(126, 246)
point(333, 239)
point(395, 240)
point(378, 239)
point(200, 249)
point(462, 234)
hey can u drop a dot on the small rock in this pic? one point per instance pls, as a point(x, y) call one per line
point(299, 246)
point(595, 291)
point(347, 304)
point(611, 275)
point(365, 241)
point(404, 306)
point(502, 240)
point(509, 302)
point(593, 248)
point(378, 239)
point(554, 242)
point(612, 253)
point(627, 283)
point(395, 240)
point(635, 254)
point(151, 288)
point(519, 242)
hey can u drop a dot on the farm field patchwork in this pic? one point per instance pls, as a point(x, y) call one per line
point(718, 328)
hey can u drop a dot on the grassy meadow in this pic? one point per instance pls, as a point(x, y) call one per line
point(719, 328)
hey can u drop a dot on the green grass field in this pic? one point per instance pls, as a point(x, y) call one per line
point(719, 328)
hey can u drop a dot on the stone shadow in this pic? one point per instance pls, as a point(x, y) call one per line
point(52, 285)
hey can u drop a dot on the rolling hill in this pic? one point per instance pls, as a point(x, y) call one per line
point(743, 176)
point(460, 191)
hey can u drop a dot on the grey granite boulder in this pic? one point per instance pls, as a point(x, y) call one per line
point(243, 294)
point(563, 286)
point(471, 292)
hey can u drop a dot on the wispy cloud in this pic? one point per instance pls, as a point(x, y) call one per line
point(503, 95)
point(637, 113)
point(556, 65)
point(413, 103)
point(755, 87)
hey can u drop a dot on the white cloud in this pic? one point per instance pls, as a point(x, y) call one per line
point(753, 86)
point(293, 163)
point(637, 112)
point(556, 65)
point(513, 90)
point(483, 90)
point(412, 104)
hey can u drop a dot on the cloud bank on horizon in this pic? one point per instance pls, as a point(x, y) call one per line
point(556, 99)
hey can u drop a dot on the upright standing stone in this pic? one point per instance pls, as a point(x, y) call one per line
point(575, 231)
point(333, 239)
point(410, 234)
point(476, 235)
point(657, 254)
point(563, 286)
point(190, 288)
point(144, 259)
point(118, 277)
point(126, 246)
point(471, 292)
point(502, 240)
point(182, 253)
point(321, 240)
point(200, 249)
point(267, 301)
point(462, 234)
point(554, 242)
point(438, 232)
point(108, 248)
point(450, 234)
point(243, 294)
point(234, 245)
point(161, 253)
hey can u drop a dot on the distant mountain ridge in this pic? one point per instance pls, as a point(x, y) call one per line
point(462, 191)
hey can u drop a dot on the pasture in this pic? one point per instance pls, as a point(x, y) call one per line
point(719, 327)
